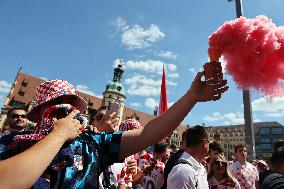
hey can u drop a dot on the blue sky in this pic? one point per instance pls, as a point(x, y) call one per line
point(81, 41)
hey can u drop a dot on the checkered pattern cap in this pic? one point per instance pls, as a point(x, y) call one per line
point(129, 124)
point(50, 90)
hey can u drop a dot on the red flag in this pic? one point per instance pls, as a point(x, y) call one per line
point(163, 96)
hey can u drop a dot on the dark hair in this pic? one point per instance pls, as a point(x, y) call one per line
point(173, 146)
point(195, 135)
point(160, 147)
point(215, 146)
point(239, 146)
point(94, 112)
point(277, 157)
point(278, 144)
point(15, 108)
point(183, 136)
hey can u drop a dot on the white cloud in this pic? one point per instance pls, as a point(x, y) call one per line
point(271, 108)
point(1, 101)
point(140, 85)
point(145, 76)
point(214, 118)
point(174, 75)
point(136, 37)
point(149, 66)
point(257, 120)
point(120, 23)
point(171, 83)
point(5, 86)
point(193, 71)
point(167, 54)
point(171, 67)
point(228, 119)
point(151, 103)
point(135, 104)
point(142, 79)
point(144, 90)
point(85, 89)
point(43, 78)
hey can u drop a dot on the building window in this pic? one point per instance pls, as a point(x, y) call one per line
point(16, 103)
point(265, 146)
point(109, 96)
point(275, 140)
point(24, 84)
point(108, 106)
point(265, 140)
point(21, 93)
point(277, 131)
point(90, 103)
point(264, 131)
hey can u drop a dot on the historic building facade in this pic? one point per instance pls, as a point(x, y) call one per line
point(265, 133)
point(115, 93)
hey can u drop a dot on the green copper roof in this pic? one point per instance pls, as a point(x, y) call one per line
point(115, 87)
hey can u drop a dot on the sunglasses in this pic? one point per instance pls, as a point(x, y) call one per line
point(221, 163)
point(18, 116)
point(60, 113)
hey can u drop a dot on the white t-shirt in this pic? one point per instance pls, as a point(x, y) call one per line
point(115, 171)
point(155, 179)
point(246, 174)
point(184, 176)
point(215, 184)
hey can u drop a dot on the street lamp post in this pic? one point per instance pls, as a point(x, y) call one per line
point(249, 131)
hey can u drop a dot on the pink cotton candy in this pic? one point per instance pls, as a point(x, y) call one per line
point(254, 52)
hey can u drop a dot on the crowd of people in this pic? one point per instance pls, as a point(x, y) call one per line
point(63, 151)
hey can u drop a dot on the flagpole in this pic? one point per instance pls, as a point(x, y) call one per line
point(249, 131)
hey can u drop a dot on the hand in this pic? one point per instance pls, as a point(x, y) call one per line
point(67, 128)
point(202, 92)
point(147, 169)
point(131, 166)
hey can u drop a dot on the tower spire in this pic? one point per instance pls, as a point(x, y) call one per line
point(118, 72)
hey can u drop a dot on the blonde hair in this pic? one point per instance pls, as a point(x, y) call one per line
point(227, 175)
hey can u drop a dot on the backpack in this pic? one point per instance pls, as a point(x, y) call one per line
point(173, 161)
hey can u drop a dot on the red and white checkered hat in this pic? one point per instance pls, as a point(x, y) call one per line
point(129, 124)
point(54, 92)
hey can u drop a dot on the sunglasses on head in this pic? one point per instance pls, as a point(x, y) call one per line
point(224, 164)
point(18, 116)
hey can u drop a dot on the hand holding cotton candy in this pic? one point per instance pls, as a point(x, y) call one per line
point(254, 52)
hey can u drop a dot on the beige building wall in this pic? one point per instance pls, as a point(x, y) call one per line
point(229, 137)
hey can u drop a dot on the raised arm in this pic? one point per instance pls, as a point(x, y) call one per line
point(22, 170)
point(135, 140)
